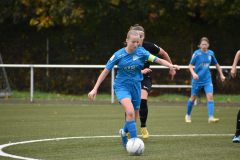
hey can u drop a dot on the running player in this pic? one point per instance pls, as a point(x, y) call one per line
point(236, 138)
point(201, 78)
point(146, 83)
point(127, 84)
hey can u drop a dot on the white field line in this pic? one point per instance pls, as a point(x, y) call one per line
point(89, 137)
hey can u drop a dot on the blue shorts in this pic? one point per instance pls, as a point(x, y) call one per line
point(131, 91)
point(208, 88)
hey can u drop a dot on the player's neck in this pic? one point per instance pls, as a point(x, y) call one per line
point(129, 50)
point(204, 50)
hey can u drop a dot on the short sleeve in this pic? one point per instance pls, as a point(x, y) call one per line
point(214, 60)
point(193, 59)
point(151, 47)
point(111, 62)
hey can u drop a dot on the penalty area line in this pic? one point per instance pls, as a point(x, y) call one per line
point(4, 154)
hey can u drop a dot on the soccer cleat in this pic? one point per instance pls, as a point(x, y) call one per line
point(236, 139)
point(213, 120)
point(188, 119)
point(145, 133)
point(124, 137)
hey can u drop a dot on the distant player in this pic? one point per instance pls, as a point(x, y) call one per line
point(236, 138)
point(147, 80)
point(127, 84)
point(201, 78)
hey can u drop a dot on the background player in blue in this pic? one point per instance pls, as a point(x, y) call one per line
point(201, 78)
point(127, 84)
point(146, 83)
point(236, 138)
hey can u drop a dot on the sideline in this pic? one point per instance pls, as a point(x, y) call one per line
point(3, 154)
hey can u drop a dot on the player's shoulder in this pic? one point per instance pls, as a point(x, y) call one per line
point(118, 54)
point(141, 51)
point(147, 44)
point(210, 52)
point(141, 48)
point(197, 52)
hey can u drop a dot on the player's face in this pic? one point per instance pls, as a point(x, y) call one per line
point(142, 36)
point(133, 42)
point(204, 45)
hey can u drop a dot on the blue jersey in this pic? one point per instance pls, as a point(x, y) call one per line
point(129, 65)
point(202, 60)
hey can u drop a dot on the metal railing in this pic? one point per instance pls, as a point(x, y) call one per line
point(32, 66)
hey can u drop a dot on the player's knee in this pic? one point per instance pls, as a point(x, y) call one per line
point(136, 115)
point(130, 115)
point(209, 97)
point(192, 98)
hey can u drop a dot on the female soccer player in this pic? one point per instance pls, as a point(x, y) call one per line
point(146, 83)
point(201, 78)
point(236, 138)
point(127, 84)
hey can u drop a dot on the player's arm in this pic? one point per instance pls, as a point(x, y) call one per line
point(102, 76)
point(219, 69)
point(163, 62)
point(234, 66)
point(191, 66)
point(166, 57)
point(194, 74)
point(109, 66)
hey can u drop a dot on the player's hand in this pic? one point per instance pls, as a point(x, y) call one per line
point(223, 78)
point(146, 70)
point(176, 67)
point(92, 94)
point(172, 73)
point(195, 76)
point(233, 72)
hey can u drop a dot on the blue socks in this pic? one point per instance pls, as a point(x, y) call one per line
point(189, 107)
point(210, 106)
point(131, 127)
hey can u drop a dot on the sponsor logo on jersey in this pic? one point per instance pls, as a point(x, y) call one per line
point(130, 68)
point(205, 64)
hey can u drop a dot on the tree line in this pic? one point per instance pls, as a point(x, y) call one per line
point(90, 31)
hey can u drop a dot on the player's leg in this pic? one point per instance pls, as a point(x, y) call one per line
point(210, 103)
point(134, 102)
point(124, 97)
point(144, 113)
point(194, 92)
point(130, 123)
point(143, 108)
point(236, 138)
point(146, 87)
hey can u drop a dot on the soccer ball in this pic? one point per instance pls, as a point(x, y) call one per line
point(135, 146)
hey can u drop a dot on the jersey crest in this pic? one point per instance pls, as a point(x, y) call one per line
point(135, 58)
point(209, 58)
